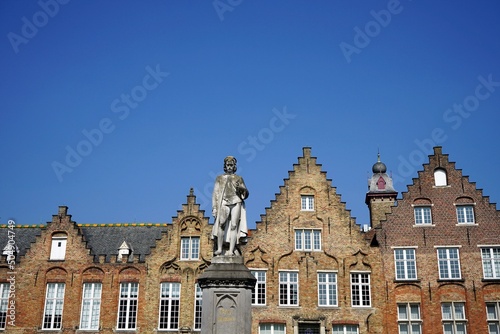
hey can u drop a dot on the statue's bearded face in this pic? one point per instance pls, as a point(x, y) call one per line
point(230, 166)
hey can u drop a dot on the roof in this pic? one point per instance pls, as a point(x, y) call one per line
point(103, 240)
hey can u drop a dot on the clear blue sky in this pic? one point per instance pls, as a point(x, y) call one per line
point(117, 108)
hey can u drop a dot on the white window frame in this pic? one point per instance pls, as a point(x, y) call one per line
point(463, 214)
point(409, 320)
point(198, 298)
point(259, 293)
point(447, 264)
point(327, 289)
point(91, 306)
point(128, 306)
point(361, 287)
point(54, 306)
point(307, 239)
point(306, 202)
point(58, 246)
point(491, 262)
point(421, 218)
point(406, 263)
point(345, 329)
point(170, 306)
point(4, 304)
point(272, 328)
point(453, 321)
point(493, 308)
point(190, 248)
point(288, 288)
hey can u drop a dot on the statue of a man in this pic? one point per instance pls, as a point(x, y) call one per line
point(228, 208)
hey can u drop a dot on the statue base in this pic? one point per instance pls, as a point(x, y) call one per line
point(227, 296)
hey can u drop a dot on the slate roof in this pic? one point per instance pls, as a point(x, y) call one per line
point(22, 236)
point(103, 240)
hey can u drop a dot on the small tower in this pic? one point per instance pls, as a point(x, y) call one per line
point(381, 194)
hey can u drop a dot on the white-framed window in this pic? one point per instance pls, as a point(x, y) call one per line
point(259, 291)
point(307, 240)
point(454, 320)
point(491, 262)
point(91, 306)
point(190, 248)
point(493, 318)
point(198, 297)
point(409, 320)
point(465, 214)
point(449, 263)
point(307, 202)
point(127, 306)
point(170, 300)
point(327, 289)
point(272, 328)
point(345, 329)
point(4, 303)
point(405, 263)
point(440, 178)
point(289, 288)
point(54, 302)
point(360, 290)
point(58, 246)
point(423, 215)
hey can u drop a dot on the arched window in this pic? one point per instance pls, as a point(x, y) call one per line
point(440, 177)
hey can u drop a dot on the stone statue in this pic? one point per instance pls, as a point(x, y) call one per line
point(228, 208)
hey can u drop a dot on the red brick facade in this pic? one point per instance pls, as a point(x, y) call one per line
point(317, 270)
point(465, 287)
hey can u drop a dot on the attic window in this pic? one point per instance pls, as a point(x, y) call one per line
point(440, 177)
point(58, 246)
point(123, 251)
point(307, 202)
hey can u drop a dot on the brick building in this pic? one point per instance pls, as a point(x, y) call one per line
point(441, 255)
point(316, 271)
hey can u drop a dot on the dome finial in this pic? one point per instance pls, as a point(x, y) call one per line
point(379, 167)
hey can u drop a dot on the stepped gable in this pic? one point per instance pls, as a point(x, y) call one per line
point(425, 182)
point(302, 172)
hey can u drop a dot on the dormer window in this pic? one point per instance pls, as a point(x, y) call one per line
point(307, 203)
point(123, 252)
point(58, 246)
point(440, 177)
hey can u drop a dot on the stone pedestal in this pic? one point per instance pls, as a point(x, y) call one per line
point(227, 296)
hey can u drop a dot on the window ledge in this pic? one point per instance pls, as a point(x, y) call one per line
point(466, 224)
point(328, 307)
point(424, 225)
point(289, 306)
point(414, 280)
point(450, 280)
point(490, 280)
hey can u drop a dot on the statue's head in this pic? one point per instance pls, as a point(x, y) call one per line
point(230, 162)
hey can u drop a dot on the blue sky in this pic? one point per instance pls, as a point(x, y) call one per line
point(117, 108)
